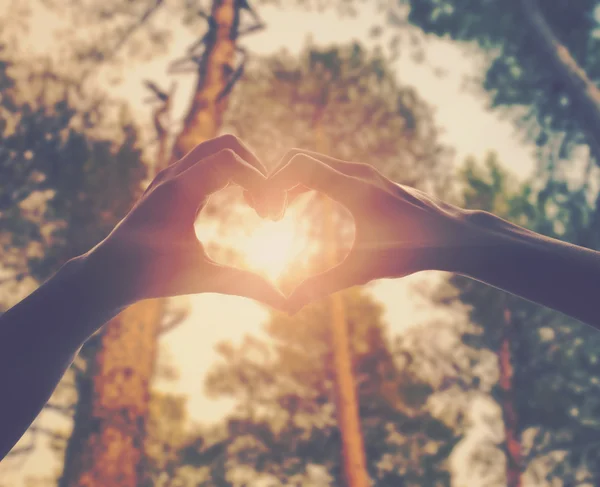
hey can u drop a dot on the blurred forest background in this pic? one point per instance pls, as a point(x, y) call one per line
point(491, 105)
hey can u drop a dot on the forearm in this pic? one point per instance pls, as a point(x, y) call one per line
point(40, 336)
point(543, 270)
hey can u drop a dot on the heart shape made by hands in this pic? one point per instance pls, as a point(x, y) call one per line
point(314, 235)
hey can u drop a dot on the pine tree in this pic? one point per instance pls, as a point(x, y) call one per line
point(283, 426)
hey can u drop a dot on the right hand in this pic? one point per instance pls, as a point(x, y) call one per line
point(154, 252)
point(399, 230)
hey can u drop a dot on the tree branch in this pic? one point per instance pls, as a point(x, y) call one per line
point(51, 434)
point(581, 88)
point(174, 320)
point(134, 27)
point(34, 430)
point(62, 409)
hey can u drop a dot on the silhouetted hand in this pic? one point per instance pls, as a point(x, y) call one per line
point(154, 252)
point(399, 230)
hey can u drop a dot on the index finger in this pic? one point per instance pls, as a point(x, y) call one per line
point(307, 171)
point(213, 146)
point(216, 172)
point(356, 169)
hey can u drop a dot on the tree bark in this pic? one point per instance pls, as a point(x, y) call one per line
point(346, 398)
point(111, 451)
point(582, 90)
point(507, 402)
point(205, 115)
point(106, 445)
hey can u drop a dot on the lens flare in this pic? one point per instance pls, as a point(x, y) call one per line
point(271, 247)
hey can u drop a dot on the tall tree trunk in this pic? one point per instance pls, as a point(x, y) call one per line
point(110, 452)
point(507, 402)
point(205, 115)
point(582, 90)
point(106, 446)
point(346, 400)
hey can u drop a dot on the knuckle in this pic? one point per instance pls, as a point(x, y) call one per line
point(227, 157)
point(302, 159)
point(290, 154)
point(168, 188)
point(230, 140)
point(162, 175)
point(368, 171)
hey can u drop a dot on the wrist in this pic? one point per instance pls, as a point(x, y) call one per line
point(101, 277)
point(474, 239)
point(65, 310)
point(93, 291)
point(487, 242)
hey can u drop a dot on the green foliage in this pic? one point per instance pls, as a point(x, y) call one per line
point(284, 427)
point(70, 168)
point(363, 112)
point(555, 358)
point(64, 180)
point(116, 32)
point(518, 74)
point(165, 436)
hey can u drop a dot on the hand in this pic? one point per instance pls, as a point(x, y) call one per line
point(154, 252)
point(399, 230)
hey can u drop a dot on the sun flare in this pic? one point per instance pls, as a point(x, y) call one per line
point(272, 246)
point(268, 248)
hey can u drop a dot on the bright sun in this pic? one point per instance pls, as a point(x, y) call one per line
point(272, 246)
point(263, 246)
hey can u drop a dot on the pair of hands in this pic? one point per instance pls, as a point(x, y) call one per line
point(154, 252)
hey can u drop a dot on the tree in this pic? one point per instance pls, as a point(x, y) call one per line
point(111, 452)
point(542, 62)
point(335, 92)
point(70, 167)
point(541, 387)
point(284, 428)
point(545, 70)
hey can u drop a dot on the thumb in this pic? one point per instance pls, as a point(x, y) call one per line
point(237, 282)
point(315, 287)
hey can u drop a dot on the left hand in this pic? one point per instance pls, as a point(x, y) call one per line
point(398, 230)
point(154, 252)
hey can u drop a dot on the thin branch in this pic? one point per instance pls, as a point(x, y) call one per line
point(13, 277)
point(79, 364)
point(67, 410)
point(51, 434)
point(174, 320)
point(135, 26)
point(34, 430)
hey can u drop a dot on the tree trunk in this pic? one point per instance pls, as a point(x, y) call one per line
point(346, 400)
point(582, 90)
point(111, 451)
point(507, 402)
point(106, 445)
point(348, 417)
point(205, 115)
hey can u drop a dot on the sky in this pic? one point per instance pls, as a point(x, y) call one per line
point(467, 126)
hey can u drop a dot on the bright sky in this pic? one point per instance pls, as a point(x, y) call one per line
point(468, 127)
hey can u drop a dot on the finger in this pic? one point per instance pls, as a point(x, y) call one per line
point(277, 208)
point(259, 204)
point(216, 172)
point(355, 169)
point(309, 172)
point(237, 282)
point(218, 144)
